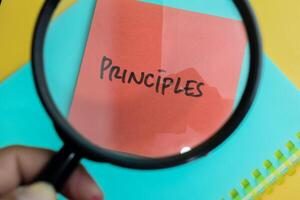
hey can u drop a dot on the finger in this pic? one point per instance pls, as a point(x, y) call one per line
point(20, 165)
point(38, 191)
point(81, 186)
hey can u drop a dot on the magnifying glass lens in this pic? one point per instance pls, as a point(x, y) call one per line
point(146, 79)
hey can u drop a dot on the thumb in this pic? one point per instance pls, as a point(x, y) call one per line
point(37, 191)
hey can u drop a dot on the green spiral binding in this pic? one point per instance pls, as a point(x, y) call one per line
point(275, 175)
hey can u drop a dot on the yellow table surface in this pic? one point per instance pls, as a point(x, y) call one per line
point(17, 20)
point(280, 26)
point(288, 190)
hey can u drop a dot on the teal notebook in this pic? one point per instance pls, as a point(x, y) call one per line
point(272, 120)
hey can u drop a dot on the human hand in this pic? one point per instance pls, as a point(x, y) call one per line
point(20, 165)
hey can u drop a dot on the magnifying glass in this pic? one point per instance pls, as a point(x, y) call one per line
point(143, 85)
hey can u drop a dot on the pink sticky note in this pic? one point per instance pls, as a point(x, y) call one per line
point(156, 80)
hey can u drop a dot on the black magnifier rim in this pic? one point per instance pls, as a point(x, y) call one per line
point(80, 145)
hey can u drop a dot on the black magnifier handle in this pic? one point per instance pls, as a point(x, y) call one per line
point(60, 168)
